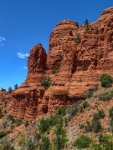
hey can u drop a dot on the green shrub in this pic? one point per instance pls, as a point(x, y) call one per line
point(106, 96)
point(106, 142)
point(44, 125)
point(96, 147)
point(78, 39)
point(56, 120)
point(61, 111)
point(58, 130)
point(17, 122)
point(37, 136)
point(101, 113)
point(85, 104)
point(111, 112)
point(82, 126)
point(12, 126)
point(96, 125)
point(60, 139)
point(2, 134)
point(81, 109)
point(82, 142)
point(4, 124)
point(73, 110)
point(96, 116)
point(88, 127)
point(54, 71)
point(7, 145)
point(108, 145)
point(111, 122)
point(10, 117)
point(45, 144)
point(101, 138)
point(21, 141)
point(90, 93)
point(30, 143)
point(106, 80)
point(46, 82)
point(58, 142)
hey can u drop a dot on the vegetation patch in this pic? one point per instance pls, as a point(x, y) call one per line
point(54, 122)
point(60, 138)
point(86, 23)
point(95, 124)
point(54, 71)
point(90, 93)
point(106, 96)
point(2, 134)
point(46, 82)
point(111, 112)
point(106, 80)
point(78, 38)
point(82, 142)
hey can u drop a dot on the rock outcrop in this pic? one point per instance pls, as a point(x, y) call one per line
point(76, 58)
point(36, 64)
point(62, 47)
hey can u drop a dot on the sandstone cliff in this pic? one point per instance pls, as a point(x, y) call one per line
point(77, 56)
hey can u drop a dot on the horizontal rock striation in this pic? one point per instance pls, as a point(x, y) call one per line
point(77, 56)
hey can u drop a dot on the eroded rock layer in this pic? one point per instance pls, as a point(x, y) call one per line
point(76, 58)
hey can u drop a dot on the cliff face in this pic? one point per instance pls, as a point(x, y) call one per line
point(76, 58)
point(36, 64)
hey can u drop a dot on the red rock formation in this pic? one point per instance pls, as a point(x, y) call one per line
point(61, 46)
point(36, 64)
point(79, 65)
point(37, 59)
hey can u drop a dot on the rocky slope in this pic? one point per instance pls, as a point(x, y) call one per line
point(92, 118)
point(77, 56)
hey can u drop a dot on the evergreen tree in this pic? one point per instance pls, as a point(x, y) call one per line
point(16, 86)
point(86, 22)
point(10, 89)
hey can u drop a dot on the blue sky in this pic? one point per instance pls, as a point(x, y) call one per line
point(24, 23)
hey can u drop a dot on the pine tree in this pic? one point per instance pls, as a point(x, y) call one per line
point(16, 86)
point(10, 89)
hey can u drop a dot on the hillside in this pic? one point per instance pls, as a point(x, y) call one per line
point(67, 98)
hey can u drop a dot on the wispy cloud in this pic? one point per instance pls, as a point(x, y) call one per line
point(2, 44)
point(22, 55)
point(2, 39)
point(25, 68)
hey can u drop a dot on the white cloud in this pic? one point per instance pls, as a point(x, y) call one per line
point(2, 39)
point(2, 44)
point(25, 67)
point(22, 55)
